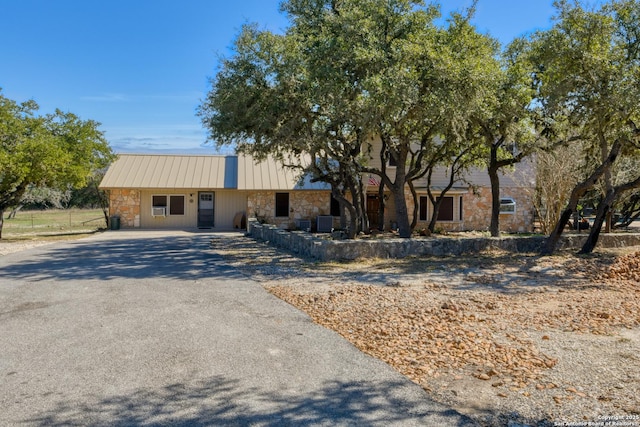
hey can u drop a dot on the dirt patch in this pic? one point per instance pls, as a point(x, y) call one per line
point(12, 243)
point(9, 247)
point(505, 339)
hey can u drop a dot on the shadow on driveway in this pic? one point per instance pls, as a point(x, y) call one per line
point(221, 401)
point(175, 256)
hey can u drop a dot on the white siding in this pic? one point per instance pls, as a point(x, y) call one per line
point(187, 220)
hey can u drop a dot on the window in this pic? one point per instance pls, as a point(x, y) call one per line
point(282, 204)
point(445, 213)
point(424, 203)
point(335, 207)
point(392, 162)
point(507, 205)
point(176, 205)
point(162, 205)
point(159, 201)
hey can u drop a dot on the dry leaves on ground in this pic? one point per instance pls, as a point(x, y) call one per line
point(432, 331)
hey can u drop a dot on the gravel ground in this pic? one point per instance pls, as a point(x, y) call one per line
point(17, 246)
point(524, 340)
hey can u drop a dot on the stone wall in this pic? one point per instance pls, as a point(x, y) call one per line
point(310, 246)
point(477, 210)
point(302, 205)
point(125, 204)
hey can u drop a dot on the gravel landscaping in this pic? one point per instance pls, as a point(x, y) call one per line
point(508, 340)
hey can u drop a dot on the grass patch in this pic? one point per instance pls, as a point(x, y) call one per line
point(53, 224)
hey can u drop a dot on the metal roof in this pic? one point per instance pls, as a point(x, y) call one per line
point(151, 171)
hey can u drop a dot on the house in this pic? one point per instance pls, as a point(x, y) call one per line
point(467, 205)
point(182, 191)
point(179, 191)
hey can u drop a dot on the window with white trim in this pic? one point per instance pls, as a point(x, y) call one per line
point(507, 205)
point(445, 213)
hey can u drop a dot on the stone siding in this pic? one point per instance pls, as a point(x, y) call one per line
point(477, 210)
point(308, 205)
point(456, 225)
point(303, 205)
point(125, 204)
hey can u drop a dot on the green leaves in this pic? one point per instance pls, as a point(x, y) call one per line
point(57, 150)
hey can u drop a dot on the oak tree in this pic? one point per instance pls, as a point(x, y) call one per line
point(58, 151)
point(588, 74)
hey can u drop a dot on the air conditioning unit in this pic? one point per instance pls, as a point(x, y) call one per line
point(324, 224)
point(162, 211)
point(304, 224)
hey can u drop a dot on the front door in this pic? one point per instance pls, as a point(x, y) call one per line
point(205, 209)
point(373, 208)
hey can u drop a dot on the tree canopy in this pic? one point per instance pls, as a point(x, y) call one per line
point(58, 150)
point(436, 93)
point(347, 71)
point(588, 82)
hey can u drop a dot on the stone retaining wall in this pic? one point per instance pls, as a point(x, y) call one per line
point(310, 246)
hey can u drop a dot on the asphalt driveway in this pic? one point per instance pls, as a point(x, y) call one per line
point(153, 328)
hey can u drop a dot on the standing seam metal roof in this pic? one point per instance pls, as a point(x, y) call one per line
point(145, 171)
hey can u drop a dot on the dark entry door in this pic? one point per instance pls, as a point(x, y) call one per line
point(206, 203)
point(373, 207)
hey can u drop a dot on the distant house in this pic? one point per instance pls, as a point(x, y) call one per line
point(174, 191)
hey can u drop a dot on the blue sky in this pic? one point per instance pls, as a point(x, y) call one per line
point(141, 67)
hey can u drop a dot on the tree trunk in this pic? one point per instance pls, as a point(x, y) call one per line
point(437, 202)
point(578, 191)
point(104, 201)
point(343, 203)
point(402, 213)
point(416, 207)
point(351, 207)
point(494, 228)
point(552, 241)
point(343, 216)
point(604, 208)
point(384, 157)
point(358, 219)
point(604, 212)
point(1, 221)
point(436, 209)
point(14, 211)
point(362, 212)
point(353, 222)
